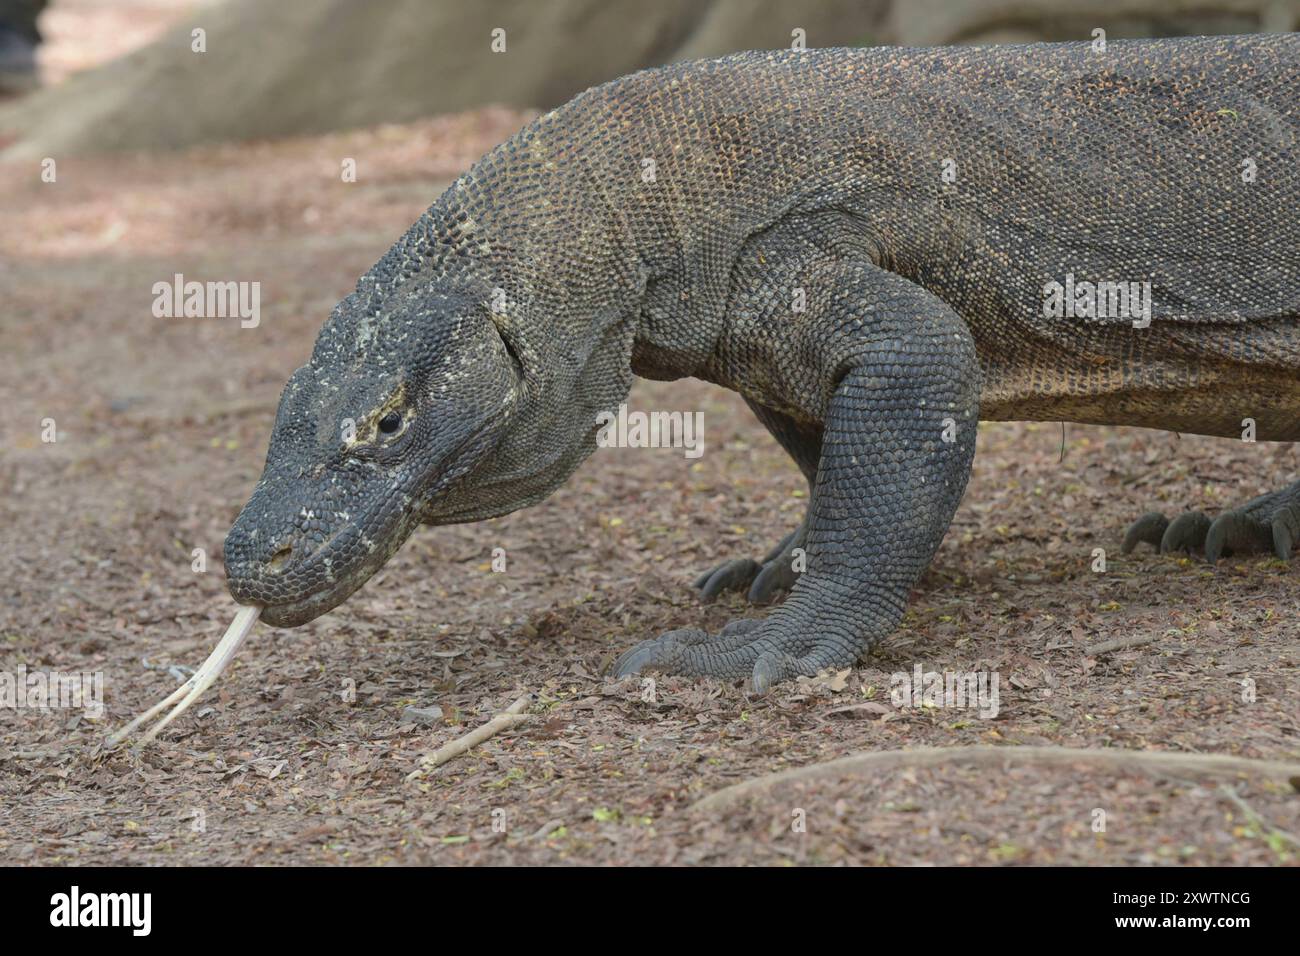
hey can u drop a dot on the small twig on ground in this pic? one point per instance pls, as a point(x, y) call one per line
point(508, 718)
point(546, 829)
point(1171, 764)
point(1119, 644)
point(1254, 817)
point(27, 755)
point(179, 672)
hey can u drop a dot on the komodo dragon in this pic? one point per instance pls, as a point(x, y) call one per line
point(870, 247)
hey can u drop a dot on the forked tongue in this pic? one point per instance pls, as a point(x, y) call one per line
point(203, 678)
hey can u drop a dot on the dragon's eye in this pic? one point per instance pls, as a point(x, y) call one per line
point(390, 423)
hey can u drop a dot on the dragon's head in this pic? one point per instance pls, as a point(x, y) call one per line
point(460, 381)
point(399, 403)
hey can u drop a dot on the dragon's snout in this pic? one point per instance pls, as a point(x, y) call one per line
point(286, 570)
point(296, 561)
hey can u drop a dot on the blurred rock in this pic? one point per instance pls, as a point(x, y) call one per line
point(310, 66)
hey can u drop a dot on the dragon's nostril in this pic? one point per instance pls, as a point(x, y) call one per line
point(280, 558)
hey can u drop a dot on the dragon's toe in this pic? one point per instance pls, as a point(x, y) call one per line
point(733, 575)
point(1270, 522)
point(743, 649)
point(1149, 528)
point(1241, 532)
point(1185, 533)
point(777, 575)
point(761, 580)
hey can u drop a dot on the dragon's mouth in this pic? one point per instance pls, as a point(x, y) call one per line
point(302, 610)
point(297, 609)
point(301, 581)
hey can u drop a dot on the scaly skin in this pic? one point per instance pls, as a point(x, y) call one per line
point(661, 225)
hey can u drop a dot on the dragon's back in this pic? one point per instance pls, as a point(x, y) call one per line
point(1033, 188)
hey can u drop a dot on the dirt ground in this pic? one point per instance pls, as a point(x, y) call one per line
point(306, 751)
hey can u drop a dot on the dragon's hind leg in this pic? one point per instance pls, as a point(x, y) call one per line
point(1270, 522)
point(777, 571)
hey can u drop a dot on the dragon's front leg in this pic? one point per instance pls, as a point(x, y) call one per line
point(900, 378)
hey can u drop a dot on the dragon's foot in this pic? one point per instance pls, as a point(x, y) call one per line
point(761, 579)
point(1270, 522)
point(755, 649)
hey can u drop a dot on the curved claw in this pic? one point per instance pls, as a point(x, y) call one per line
point(760, 580)
point(1185, 533)
point(734, 575)
point(634, 660)
point(1236, 532)
point(1149, 528)
point(777, 575)
point(653, 654)
point(772, 667)
point(747, 648)
point(687, 650)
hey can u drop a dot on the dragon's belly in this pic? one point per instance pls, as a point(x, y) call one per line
point(1225, 385)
